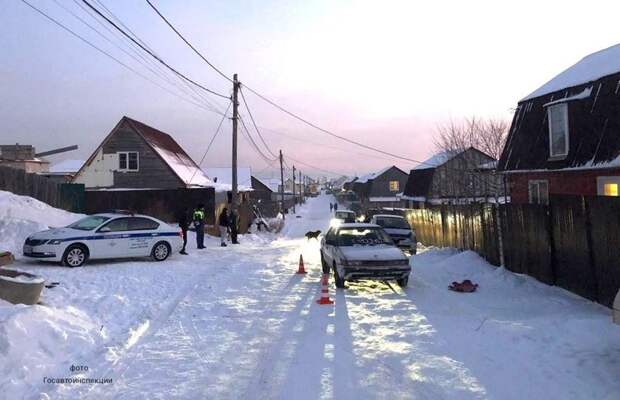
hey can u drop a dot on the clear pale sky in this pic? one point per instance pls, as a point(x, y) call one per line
point(381, 72)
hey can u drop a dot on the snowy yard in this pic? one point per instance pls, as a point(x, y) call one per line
point(237, 323)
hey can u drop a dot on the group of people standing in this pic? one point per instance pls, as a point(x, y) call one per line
point(228, 223)
point(333, 207)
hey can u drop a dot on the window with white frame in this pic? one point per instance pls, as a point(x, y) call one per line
point(608, 186)
point(394, 186)
point(128, 161)
point(539, 192)
point(558, 130)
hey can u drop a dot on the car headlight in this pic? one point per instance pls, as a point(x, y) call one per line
point(54, 242)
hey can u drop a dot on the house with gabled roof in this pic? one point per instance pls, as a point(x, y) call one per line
point(381, 188)
point(564, 135)
point(453, 177)
point(136, 156)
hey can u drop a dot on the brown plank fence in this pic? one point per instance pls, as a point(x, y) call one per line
point(60, 195)
point(573, 243)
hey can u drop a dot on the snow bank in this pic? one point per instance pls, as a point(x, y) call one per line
point(21, 216)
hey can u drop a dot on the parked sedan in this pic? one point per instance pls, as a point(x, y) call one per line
point(398, 229)
point(343, 216)
point(105, 236)
point(362, 251)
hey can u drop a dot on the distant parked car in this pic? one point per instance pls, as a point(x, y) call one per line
point(105, 236)
point(399, 230)
point(362, 251)
point(345, 216)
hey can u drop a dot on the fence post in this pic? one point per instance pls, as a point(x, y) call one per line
point(500, 235)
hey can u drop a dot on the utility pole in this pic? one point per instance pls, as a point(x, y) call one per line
point(235, 193)
point(302, 189)
point(294, 199)
point(282, 183)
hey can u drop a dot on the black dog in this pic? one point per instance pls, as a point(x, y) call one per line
point(313, 235)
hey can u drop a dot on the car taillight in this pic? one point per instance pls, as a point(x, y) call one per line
point(181, 233)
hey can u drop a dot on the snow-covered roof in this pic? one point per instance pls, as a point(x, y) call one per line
point(436, 160)
point(372, 175)
point(173, 154)
point(66, 166)
point(224, 176)
point(590, 68)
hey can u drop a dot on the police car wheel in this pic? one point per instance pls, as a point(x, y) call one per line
point(161, 251)
point(75, 256)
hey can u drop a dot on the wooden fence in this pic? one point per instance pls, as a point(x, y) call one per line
point(572, 243)
point(60, 195)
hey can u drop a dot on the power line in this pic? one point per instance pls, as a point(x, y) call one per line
point(187, 42)
point(254, 145)
point(212, 140)
point(163, 73)
point(312, 166)
point(59, 24)
point(151, 53)
point(255, 126)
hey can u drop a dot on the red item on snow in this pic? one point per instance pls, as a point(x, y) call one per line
point(464, 287)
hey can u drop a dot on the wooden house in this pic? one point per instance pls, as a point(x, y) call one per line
point(381, 188)
point(260, 190)
point(453, 177)
point(136, 156)
point(564, 136)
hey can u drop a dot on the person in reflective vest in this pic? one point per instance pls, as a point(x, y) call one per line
point(198, 219)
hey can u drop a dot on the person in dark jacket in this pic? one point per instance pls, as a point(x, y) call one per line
point(223, 223)
point(234, 226)
point(184, 225)
point(198, 219)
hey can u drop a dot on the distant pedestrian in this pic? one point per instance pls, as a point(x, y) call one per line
point(331, 207)
point(198, 219)
point(223, 223)
point(183, 220)
point(414, 242)
point(335, 206)
point(234, 226)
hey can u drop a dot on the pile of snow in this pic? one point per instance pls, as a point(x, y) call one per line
point(21, 216)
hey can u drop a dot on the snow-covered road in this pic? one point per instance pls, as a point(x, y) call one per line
point(237, 323)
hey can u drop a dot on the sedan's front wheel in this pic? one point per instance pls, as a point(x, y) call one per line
point(75, 256)
point(402, 282)
point(161, 251)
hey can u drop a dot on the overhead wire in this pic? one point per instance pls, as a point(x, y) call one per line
point(152, 54)
point(211, 141)
point(92, 45)
point(162, 73)
point(254, 123)
point(187, 42)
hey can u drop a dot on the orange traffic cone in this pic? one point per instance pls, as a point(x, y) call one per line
point(301, 269)
point(324, 291)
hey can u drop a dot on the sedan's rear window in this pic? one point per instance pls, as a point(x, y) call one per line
point(142, 224)
point(393, 223)
point(362, 237)
point(89, 223)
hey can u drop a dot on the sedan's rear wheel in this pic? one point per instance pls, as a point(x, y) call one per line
point(161, 251)
point(75, 256)
point(338, 281)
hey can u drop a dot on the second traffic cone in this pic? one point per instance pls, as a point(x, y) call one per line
point(324, 291)
point(301, 269)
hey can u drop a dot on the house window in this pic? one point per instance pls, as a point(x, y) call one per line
point(539, 192)
point(558, 130)
point(394, 186)
point(128, 161)
point(608, 185)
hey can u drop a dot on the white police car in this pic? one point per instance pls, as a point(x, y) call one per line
point(113, 235)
